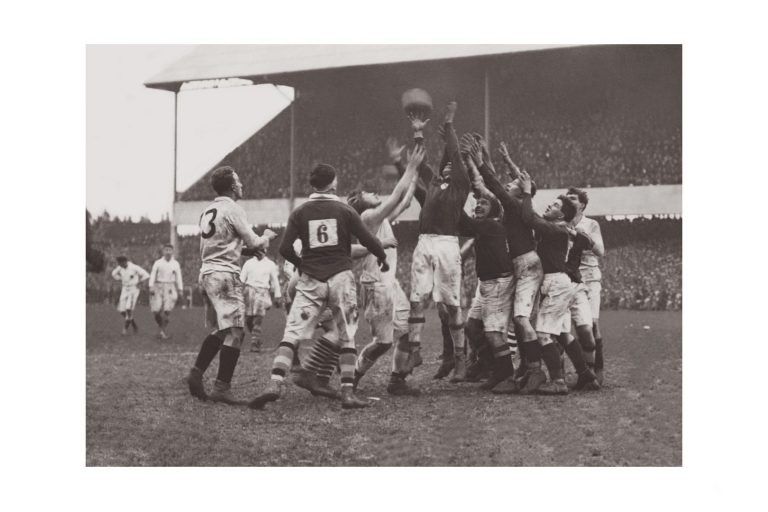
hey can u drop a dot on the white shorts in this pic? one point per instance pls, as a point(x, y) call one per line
point(528, 274)
point(386, 310)
point(257, 300)
point(436, 270)
point(163, 297)
point(496, 303)
point(129, 295)
point(594, 288)
point(557, 291)
point(581, 309)
point(339, 294)
point(224, 307)
point(476, 309)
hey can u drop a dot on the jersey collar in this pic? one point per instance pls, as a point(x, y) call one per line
point(224, 198)
point(318, 195)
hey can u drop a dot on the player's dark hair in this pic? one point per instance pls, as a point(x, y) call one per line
point(355, 200)
point(495, 209)
point(322, 176)
point(581, 194)
point(122, 259)
point(568, 208)
point(222, 180)
point(167, 246)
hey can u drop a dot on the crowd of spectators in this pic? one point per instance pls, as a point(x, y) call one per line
point(591, 117)
point(642, 268)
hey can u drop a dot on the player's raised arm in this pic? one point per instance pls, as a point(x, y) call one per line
point(405, 202)
point(459, 177)
point(474, 159)
point(375, 216)
point(531, 218)
point(512, 168)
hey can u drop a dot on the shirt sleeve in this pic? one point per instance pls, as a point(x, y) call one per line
point(286, 244)
point(459, 176)
point(143, 274)
point(424, 170)
point(597, 239)
point(533, 220)
point(153, 274)
point(494, 185)
point(239, 222)
point(116, 274)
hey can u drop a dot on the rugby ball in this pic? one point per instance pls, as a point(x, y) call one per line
point(417, 101)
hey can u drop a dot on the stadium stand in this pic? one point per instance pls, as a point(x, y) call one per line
point(593, 117)
point(642, 268)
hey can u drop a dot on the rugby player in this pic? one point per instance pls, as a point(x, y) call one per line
point(590, 270)
point(385, 305)
point(224, 229)
point(436, 266)
point(325, 226)
point(130, 276)
point(557, 289)
point(165, 285)
point(260, 284)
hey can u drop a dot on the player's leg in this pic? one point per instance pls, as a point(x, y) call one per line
point(581, 315)
point(156, 306)
point(496, 304)
point(378, 310)
point(557, 292)
point(528, 279)
point(311, 298)
point(212, 343)
point(447, 293)
point(408, 348)
point(446, 359)
point(593, 293)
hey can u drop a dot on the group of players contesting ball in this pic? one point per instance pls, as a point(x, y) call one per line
point(537, 274)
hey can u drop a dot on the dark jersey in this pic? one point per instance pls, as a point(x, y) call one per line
point(552, 237)
point(442, 200)
point(325, 227)
point(580, 244)
point(519, 234)
point(491, 254)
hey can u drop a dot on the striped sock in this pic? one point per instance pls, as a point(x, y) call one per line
point(512, 342)
point(322, 354)
point(283, 360)
point(457, 335)
point(347, 360)
point(256, 334)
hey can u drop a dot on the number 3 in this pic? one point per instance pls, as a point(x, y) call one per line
point(211, 232)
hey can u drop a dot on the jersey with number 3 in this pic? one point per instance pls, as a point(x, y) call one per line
point(325, 227)
point(223, 227)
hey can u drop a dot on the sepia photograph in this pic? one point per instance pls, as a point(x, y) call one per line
point(384, 255)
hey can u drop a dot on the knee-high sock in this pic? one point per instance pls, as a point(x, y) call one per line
point(369, 355)
point(347, 359)
point(159, 319)
point(457, 335)
point(531, 350)
point(322, 358)
point(576, 355)
point(127, 323)
point(415, 327)
point(228, 357)
point(401, 355)
point(208, 351)
point(551, 357)
point(447, 339)
point(598, 353)
point(256, 333)
point(283, 360)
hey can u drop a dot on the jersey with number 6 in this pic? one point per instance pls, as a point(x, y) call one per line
point(325, 227)
point(223, 228)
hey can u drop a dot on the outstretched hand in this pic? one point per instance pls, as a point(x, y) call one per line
point(525, 182)
point(450, 111)
point(383, 265)
point(416, 155)
point(269, 234)
point(417, 123)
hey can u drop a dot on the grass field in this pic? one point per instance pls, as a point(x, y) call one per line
point(138, 412)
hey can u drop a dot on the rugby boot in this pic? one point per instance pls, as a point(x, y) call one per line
point(553, 387)
point(222, 393)
point(507, 387)
point(445, 368)
point(273, 391)
point(459, 368)
point(399, 387)
point(323, 388)
point(350, 401)
point(587, 381)
point(195, 384)
point(534, 378)
point(502, 370)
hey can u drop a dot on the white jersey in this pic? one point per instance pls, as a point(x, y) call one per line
point(130, 276)
point(223, 229)
point(590, 263)
point(371, 272)
point(261, 273)
point(166, 271)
